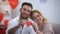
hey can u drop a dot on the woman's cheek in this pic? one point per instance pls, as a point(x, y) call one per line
point(35, 20)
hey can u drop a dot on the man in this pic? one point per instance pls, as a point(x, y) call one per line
point(15, 25)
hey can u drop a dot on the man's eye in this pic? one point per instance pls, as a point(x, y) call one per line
point(24, 9)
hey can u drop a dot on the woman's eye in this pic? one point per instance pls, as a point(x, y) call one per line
point(38, 15)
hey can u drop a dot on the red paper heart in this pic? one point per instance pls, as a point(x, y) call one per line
point(13, 3)
point(1, 16)
point(6, 22)
point(28, 23)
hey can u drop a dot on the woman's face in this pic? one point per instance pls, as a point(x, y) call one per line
point(37, 18)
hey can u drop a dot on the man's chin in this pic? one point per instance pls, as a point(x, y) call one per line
point(24, 17)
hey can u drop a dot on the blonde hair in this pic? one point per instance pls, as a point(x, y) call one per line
point(33, 11)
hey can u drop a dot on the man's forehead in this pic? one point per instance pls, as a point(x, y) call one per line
point(27, 7)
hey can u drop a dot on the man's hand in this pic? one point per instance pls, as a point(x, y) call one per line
point(22, 22)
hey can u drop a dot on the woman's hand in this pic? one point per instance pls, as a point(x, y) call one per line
point(35, 26)
point(39, 32)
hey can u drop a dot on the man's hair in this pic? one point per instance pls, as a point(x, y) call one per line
point(26, 3)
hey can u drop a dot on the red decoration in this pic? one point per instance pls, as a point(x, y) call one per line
point(6, 22)
point(13, 3)
point(1, 16)
point(3, 30)
point(28, 23)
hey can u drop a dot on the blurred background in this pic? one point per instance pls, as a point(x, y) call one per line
point(49, 8)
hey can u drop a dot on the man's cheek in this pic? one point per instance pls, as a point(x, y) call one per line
point(28, 13)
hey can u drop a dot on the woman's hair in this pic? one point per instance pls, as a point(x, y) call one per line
point(36, 11)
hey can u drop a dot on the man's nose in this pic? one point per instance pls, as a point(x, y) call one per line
point(26, 12)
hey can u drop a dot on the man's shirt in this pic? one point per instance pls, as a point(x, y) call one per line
point(15, 22)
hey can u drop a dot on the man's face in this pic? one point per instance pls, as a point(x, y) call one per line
point(25, 11)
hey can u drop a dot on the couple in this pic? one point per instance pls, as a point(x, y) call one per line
point(16, 26)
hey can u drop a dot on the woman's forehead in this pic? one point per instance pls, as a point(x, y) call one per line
point(35, 14)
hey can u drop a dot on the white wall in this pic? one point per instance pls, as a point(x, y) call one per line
point(50, 9)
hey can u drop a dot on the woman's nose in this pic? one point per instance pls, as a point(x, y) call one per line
point(37, 19)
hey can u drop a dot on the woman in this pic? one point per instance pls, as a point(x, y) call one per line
point(43, 26)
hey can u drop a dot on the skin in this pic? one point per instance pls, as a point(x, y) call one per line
point(25, 12)
point(37, 18)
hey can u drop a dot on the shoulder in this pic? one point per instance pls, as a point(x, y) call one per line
point(12, 23)
point(14, 20)
point(48, 27)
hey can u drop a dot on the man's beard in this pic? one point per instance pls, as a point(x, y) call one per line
point(24, 17)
